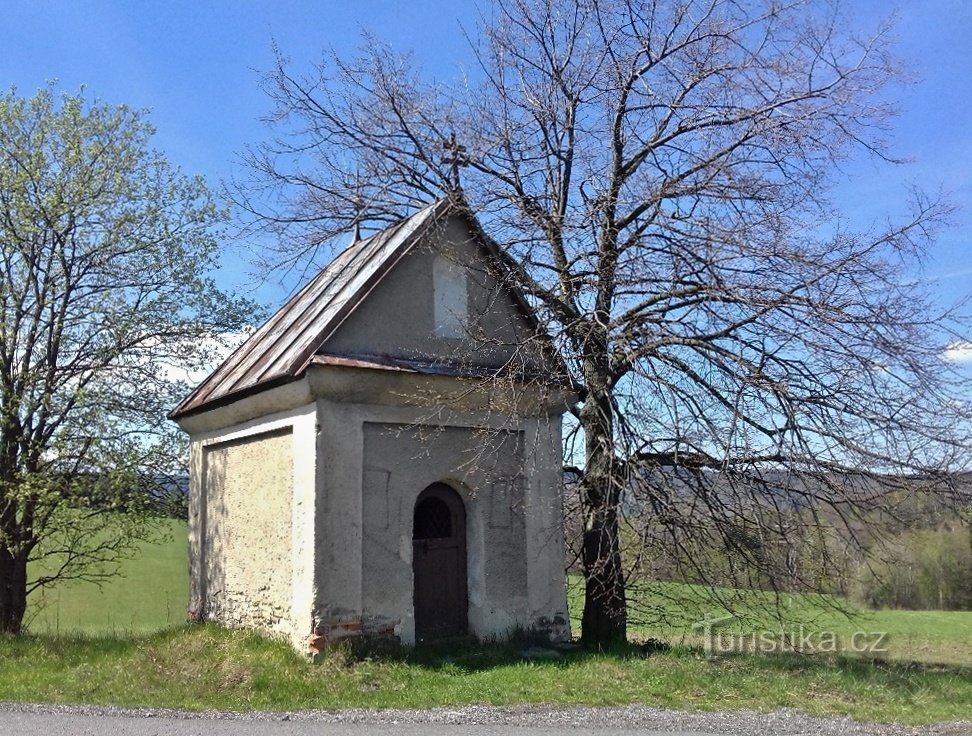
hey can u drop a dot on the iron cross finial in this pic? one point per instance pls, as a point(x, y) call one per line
point(456, 158)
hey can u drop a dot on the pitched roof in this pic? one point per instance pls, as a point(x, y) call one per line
point(283, 348)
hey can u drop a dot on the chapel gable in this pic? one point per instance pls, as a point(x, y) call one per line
point(442, 301)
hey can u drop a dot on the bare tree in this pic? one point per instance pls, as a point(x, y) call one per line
point(658, 177)
point(104, 302)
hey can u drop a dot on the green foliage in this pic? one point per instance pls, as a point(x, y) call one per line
point(105, 301)
point(925, 568)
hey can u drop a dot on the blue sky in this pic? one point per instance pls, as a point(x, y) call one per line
point(197, 65)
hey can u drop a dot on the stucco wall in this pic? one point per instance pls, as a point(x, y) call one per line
point(300, 520)
point(247, 518)
point(484, 467)
point(398, 317)
point(374, 461)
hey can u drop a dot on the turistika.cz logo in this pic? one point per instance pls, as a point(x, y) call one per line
point(795, 639)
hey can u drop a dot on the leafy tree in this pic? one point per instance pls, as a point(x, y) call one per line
point(104, 303)
point(658, 175)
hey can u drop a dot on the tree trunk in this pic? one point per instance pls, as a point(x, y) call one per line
point(604, 622)
point(605, 608)
point(13, 590)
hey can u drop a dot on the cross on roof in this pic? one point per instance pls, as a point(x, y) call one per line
point(456, 159)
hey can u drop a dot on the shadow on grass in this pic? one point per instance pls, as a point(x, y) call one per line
point(457, 655)
point(467, 655)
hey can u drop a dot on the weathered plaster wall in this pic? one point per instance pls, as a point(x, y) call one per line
point(544, 515)
point(398, 317)
point(375, 460)
point(484, 467)
point(249, 494)
point(251, 523)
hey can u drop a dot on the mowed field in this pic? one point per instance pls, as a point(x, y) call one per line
point(151, 592)
point(676, 614)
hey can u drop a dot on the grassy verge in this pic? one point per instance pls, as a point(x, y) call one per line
point(207, 667)
point(151, 593)
point(91, 645)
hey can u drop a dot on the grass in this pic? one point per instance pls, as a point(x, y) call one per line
point(150, 593)
point(669, 612)
point(123, 645)
point(203, 667)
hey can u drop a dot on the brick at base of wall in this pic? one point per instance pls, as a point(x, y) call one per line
point(333, 631)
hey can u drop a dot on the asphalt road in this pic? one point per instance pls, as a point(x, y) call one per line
point(66, 723)
point(50, 724)
point(30, 720)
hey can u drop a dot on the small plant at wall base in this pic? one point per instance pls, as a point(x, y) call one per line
point(657, 179)
point(104, 302)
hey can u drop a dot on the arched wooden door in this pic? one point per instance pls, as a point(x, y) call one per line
point(439, 563)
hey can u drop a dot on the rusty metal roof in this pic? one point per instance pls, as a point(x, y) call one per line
point(282, 348)
point(399, 364)
point(291, 340)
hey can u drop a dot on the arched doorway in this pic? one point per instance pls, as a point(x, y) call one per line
point(439, 563)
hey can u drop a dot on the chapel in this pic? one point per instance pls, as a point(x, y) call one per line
point(382, 458)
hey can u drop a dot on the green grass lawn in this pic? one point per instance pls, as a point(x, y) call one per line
point(150, 593)
point(125, 644)
point(204, 666)
point(669, 612)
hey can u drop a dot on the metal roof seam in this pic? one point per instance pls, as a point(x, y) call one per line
point(283, 346)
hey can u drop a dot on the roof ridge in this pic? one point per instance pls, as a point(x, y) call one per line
point(280, 348)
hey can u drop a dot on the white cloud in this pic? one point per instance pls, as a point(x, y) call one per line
point(217, 349)
point(959, 352)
